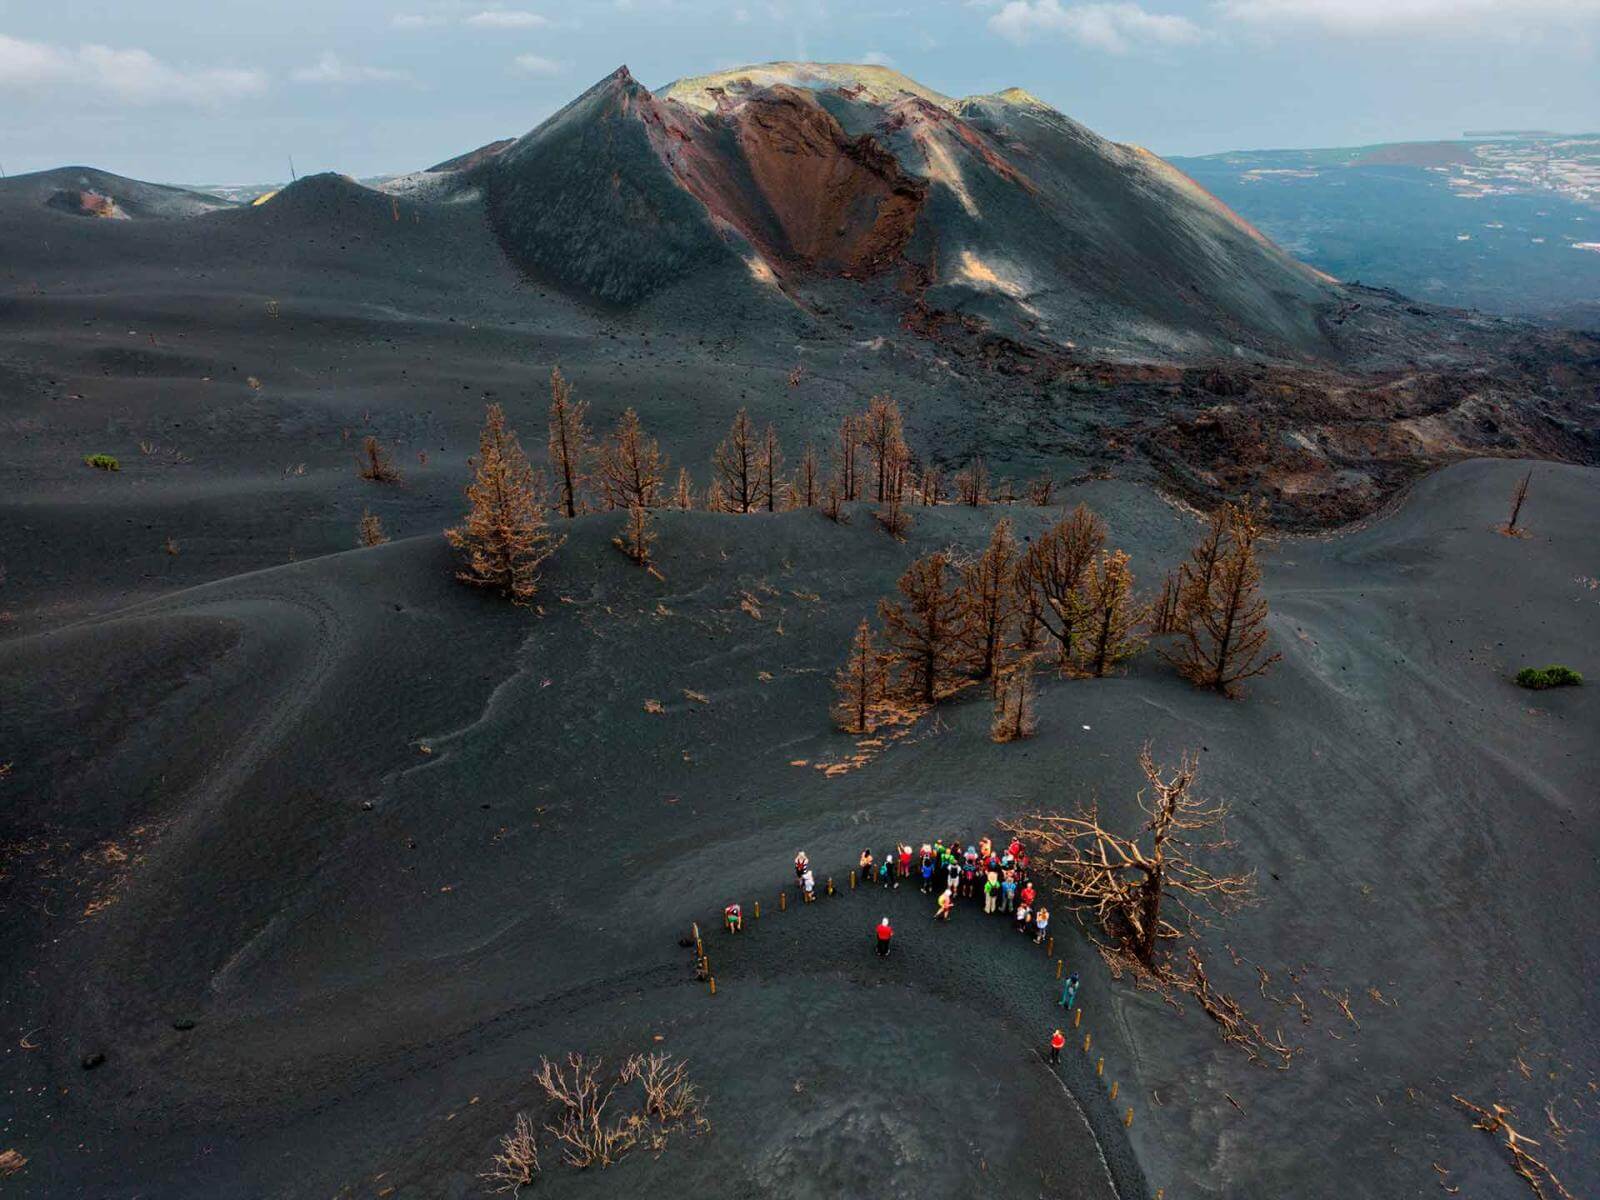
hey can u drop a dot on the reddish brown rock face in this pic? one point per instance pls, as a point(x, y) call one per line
point(781, 171)
point(841, 206)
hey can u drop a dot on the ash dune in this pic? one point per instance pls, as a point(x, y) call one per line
point(321, 850)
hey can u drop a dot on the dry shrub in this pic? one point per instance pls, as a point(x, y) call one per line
point(668, 1095)
point(586, 1135)
point(375, 464)
point(370, 531)
point(518, 1161)
point(1013, 703)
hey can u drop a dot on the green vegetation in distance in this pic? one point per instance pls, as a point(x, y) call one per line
point(105, 462)
point(1540, 678)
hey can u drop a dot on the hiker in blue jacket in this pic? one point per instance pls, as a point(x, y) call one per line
point(1069, 991)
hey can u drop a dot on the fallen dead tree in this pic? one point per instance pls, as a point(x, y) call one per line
point(1539, 1177)
point(1143, 896)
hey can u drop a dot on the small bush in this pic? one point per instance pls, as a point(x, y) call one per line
point(102, 462)
point(1539, 678)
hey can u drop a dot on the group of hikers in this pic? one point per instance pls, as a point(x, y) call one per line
point(1000, 877)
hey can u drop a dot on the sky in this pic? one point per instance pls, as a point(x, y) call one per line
point(226, 92)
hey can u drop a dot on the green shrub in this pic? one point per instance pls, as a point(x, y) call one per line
point(104, 462)
point(1540, 678)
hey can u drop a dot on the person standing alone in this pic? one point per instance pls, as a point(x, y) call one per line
point(1057, 1040)
point(885, 936)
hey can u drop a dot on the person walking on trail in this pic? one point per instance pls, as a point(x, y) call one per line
point(1026, 894)
point(1057, 1041)
point(808, 883)
point(905, 863)
point(865, 866)
point(1008, 892)
point(927, 874)
point(1024, 918)
point(1069, 992)
point(885, 936)
point(991, 892)
point(733, 918)
point(801, 862)
point(947, 904)
point(1041, 925)
point(886, 871)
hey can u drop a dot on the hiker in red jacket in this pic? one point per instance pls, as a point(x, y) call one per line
point(885, 936)
point(1027, 893)
point(1057, 1040)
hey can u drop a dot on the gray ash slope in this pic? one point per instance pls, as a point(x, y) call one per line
point(368, 987)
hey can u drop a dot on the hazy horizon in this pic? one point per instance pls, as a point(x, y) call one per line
point(198, 93)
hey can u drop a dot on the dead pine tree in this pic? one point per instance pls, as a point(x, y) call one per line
point(736, 467)
point(861, 684)
point(1051, 576)
point(804, 488)
point(931, 486)
point(769, 468)
point(683, 495)
point(1013, 702)
point(570, 444)
point(923, 629)
point(883, 433)
point(1518, 495)
point(630, 466)
point(369, 532)
point(1143, 893)
point(375, 464)
point(832, 504)
point(637, 536)
point(1224, 635)
point(1042, 491)
point(504, 538)
point(847, 458)
point(988, 595)
point(972, 483)
point(1163, 613)
point(1110, 615)
point(894, 518)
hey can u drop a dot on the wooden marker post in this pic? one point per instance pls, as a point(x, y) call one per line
point(1077, 1017)
point(1100, 1067)
point(1127, 1119)
point(1086, 1041)
point(1059, 964)
point(713, 985)
point(1113, 1089)
point(698, 948)
point(830, 885)
point(758, 910)
point(852, 879)
point(783, 900)
point(1050, 948)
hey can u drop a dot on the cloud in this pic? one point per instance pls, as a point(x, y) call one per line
point(877, 58)
point(415, 20)
point(129, 75)
point(1366, 18)
point(1116, 28)
point(505, 18)
point(330, 68)
point(537, 64)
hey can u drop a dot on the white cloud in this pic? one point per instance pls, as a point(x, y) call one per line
point(505, 18)
point(1116, 28)
point(1365, 18)
point(131, 76)
point(330, 68)
point(537, 64)
point(415, 21)
point(877, 58)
